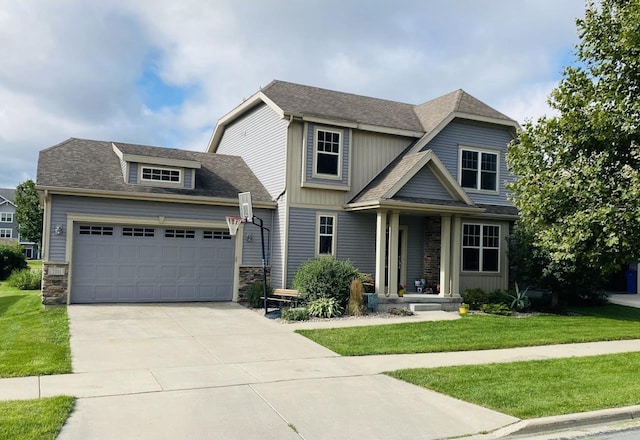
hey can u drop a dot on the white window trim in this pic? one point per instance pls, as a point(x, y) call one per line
point(142, 180)
point(334, 235)
point(340, 154)
point(479, 150)
point(3, 214)
point(481, 248)
point(3, 233)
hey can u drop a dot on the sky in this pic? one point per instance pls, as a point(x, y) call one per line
point(160, 72)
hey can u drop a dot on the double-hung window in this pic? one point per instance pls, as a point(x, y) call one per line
point(6, 217)
point(479, 169)
point(5, 233)
point(328, 153)
point(480, 248)
point(326, 238)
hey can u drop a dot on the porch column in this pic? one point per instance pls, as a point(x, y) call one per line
point(381, 249)
point(394, 229)
point(456, 250)
point(445, 255)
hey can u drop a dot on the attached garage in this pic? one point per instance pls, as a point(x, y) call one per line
point(134, 263)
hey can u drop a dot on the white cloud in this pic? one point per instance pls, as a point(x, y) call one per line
point(72, 68)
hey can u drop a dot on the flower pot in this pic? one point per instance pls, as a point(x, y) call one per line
point(463, 310)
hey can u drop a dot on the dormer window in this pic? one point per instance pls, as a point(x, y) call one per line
point(157, 174)
point(479, 169)
point(328, 154)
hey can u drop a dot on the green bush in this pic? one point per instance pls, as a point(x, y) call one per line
point(254, 294)
point(499, 296)
point(325, 277)
point(475, 298)
point(496, 309)
point(25, 279)
point(324, 308)
point(295, 314)
point(11, 259)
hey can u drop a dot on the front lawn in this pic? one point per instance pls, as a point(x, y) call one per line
point(34, 341)
point(538, 388)
point(39, 419)
point(482, 332)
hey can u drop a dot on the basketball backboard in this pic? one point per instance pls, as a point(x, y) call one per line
point(246, 209)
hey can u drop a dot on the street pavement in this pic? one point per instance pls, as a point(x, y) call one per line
point(208, 371)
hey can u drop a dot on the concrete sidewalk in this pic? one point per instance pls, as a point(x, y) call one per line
point(222, 371)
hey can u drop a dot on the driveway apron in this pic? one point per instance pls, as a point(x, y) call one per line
point(219, 370)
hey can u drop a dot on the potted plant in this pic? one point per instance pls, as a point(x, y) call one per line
point(463, 309)
point(401, 290)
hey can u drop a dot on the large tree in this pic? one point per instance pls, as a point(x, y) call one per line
point(28, 212)
point(578, 189)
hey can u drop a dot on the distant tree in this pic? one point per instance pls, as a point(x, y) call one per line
point(578, 186)
point(28, 212)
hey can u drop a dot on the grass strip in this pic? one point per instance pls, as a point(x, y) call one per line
point(538, 388)
point(482, 332)
point(34, 341)
point(39, 419)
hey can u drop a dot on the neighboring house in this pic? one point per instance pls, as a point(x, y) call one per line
point(9, 226)
point(406, 192)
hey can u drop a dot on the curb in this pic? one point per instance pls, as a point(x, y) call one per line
point(563, 422)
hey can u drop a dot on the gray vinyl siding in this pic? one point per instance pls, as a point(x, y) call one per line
point(355, 239)
point(7, 207)
point(311, 128)
point(424, 185)
point(260, 138)
point(446, 146)
point(61, 205)
point(188, 178)
point(133, 173)
point(415, 249)
point(277, 245)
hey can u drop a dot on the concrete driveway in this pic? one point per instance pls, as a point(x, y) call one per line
point(207, 371)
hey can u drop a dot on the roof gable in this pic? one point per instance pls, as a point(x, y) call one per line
point(7, 195)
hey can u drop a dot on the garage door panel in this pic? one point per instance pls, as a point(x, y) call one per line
point(121, 268)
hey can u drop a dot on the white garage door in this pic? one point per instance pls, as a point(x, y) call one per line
point(113, 263)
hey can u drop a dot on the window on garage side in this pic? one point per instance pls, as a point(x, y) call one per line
point(480, 248)
point(325, 240)
point(179, 233)
point(216, 235)
point(138, 232)
point(96, 230)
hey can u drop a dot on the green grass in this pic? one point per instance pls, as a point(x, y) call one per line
point(35, 264)
point(34, 341)
point(482, 332)
point(39, 419)
point(538, 388)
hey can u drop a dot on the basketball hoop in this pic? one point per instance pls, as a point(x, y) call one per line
point(233, 223)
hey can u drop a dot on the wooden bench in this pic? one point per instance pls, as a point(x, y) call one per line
point(284, 297)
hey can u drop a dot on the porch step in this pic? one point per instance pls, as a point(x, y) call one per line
point(424, 307)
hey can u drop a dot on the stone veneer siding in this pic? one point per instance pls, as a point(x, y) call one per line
point(432, 250)
point(249, 275)
point(55, 288)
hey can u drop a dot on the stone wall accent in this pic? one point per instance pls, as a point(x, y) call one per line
point(249, 275)
point(432, 251)
point(55, 283)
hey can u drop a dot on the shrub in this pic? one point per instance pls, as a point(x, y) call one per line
point(356, 307)
point(520, 300)
point(254, 293)
point(325, 277)
point(295, 314)
point(475, 298)
point(324, 308)
point(496, 309)
point(11, 259)
point(499, 296)
point(25, 279)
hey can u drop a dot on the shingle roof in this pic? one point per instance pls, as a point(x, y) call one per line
point(8, 193)
point(301, 100)
point(93, 165)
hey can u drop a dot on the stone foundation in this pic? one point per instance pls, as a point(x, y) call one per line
point(55, 283)
point(248, 276)
point(432, 251)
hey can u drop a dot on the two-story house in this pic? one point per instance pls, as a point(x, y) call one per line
point(406, 192)
point(9, 225)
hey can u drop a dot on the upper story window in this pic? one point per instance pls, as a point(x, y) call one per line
point(157, 174)
point(480, 248)
point(479, 169)
point(5, 233)
point(325, 240)
point(327, 154)
point(6, 217)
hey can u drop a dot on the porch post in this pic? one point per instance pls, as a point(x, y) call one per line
point(456, 250)
point(381, 237)
point(445, 255)
point(394, 228)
